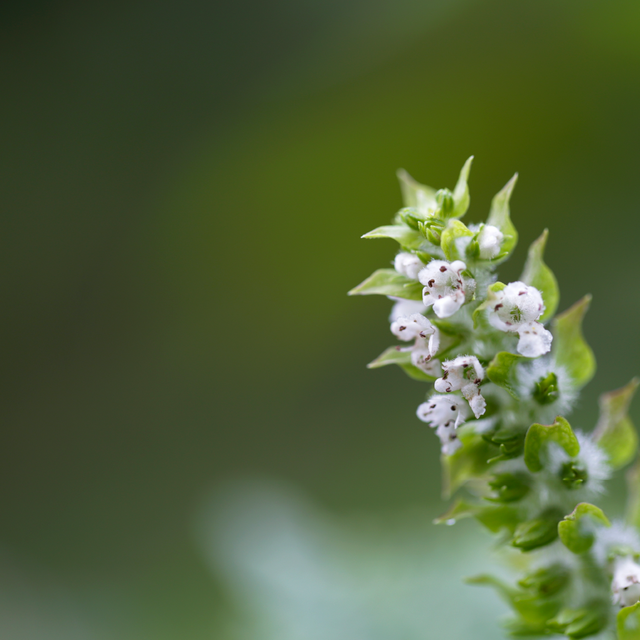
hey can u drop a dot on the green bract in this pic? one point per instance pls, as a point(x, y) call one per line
point(576, 532)
point(498, 385)
point(388, 282)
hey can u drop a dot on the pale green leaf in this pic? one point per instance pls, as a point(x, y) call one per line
point(454, 240)
point(615, 432)
point(461, 191)
point(459, 510)
point(577, 529)
point(414, 194)
point(537, 274)
point(388, 282)
point(502, 370)
point(393, 355)
point(499, 217)
point(539, 436)
point(494, 518)
point(628, 623)
point(569, 347)
point(401, 233)
point(632, 515)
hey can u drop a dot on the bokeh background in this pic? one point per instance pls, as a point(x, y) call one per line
point(192, 448)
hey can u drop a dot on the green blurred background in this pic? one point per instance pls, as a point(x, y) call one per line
point(183, 186)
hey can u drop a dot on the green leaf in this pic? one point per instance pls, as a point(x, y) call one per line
point(632, 515)
point(461, 191)
point(614, 432)
point(534, 608)
point(569, 347)
point(414, 194)
point(459, 510)
point(509, 439)
point(503, 371)
point(470, 461)
point(494, 518)
point(537, 274)
point(451, 240)
point(583, 622)
point(388, 282)
point(539, 436)
point(538, 532)
point(628, 623)
point(393, 355)
point(577, 529)
point(546, 390)
point(508, 487)
point(401, 233)
point(548, 580)
point(499, 217)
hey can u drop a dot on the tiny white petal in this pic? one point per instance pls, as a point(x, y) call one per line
point(403, 307)
point(443, 411)
point(412, 327)
point(534, 341)
point(625, 585)
point(408, 265)
point(489, 241)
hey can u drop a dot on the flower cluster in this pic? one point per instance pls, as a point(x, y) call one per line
point(504, 370)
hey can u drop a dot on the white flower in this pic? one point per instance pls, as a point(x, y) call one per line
point(423, 351)
point(446, 414)
point(516, 309)
point(489, 241)
point(403, 307)
point(445, 287)
point(443, 411)
point(424, 360)
point(412, 327)
point(626, 581)
point(464, 374)
point(449, 440)
point(408, 264)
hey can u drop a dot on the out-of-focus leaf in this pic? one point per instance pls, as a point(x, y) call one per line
point(459, 510)
point(502, 370)
point(468, 462)
point(537, 532)
point(615, 432)
point(494, 518)
point(548, 580)
point(537, 274)
point(388, 282)
point(583, 622)
point(508, 487)
point(539, 436)
point(569, 347)
point(499, 217)
point(401, 233)
point(534, 608)
point(453, 241)
point(628, 623)
point(632, 515)
point(577, 529)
